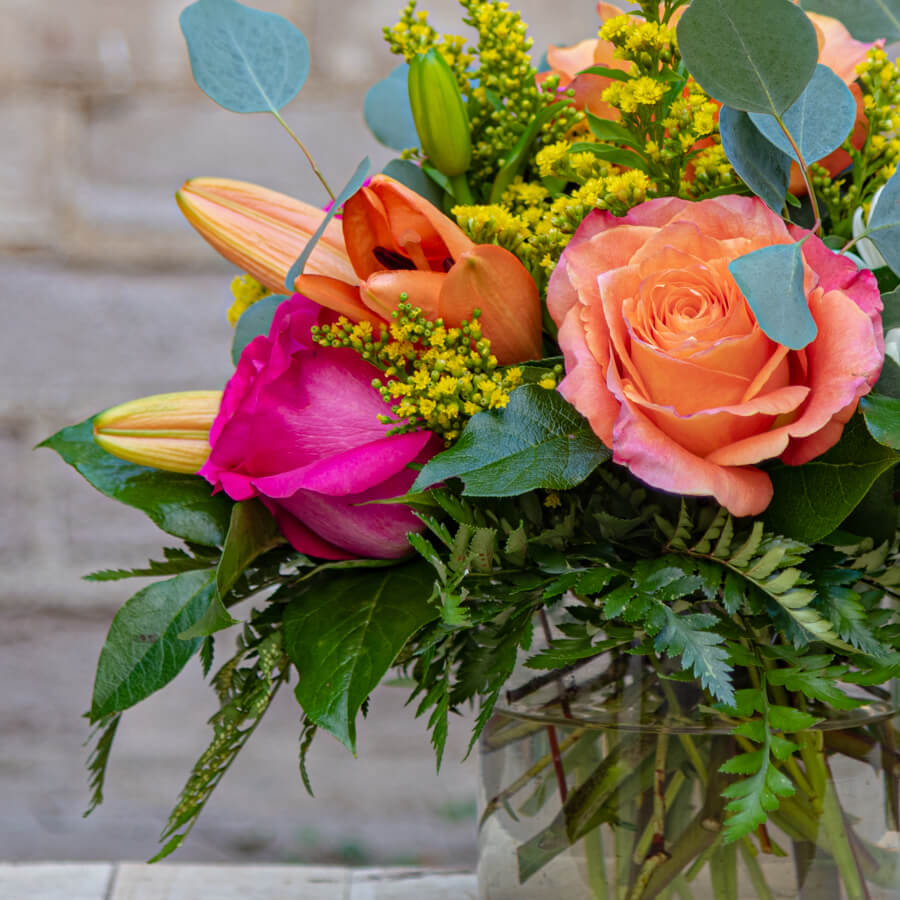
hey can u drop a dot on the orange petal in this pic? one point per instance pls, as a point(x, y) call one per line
point(491, 279)
point(261, 231)
point(382, 291)
point(389, 215)
point(336, 295)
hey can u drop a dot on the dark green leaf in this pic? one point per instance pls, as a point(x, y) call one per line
point(606, 130)
point(882, 415)
point(537, 441)
point(757, 56)
point(143, 652)
point(181, 505)
point(867, 20)
point(345, 632)
point(812, 500)
point(884, 222)
point(616, 155)
point(606, 72)
point(103, 736)
point(415, 179)
point(761, 165)
point(350, 188)
point(256, 320)
point(772, 281)
point(176, 561)
point(244, 59)
point(786, 718)
point(387, 113)
point(819, 120)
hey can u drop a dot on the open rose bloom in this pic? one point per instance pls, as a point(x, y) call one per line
point(665, 359)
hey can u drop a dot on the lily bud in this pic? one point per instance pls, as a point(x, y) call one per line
point(163, 431)
point(261, 231)
point(439, 113)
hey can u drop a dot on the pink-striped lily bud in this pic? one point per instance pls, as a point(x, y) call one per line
point(262, 231)
point(163, 431)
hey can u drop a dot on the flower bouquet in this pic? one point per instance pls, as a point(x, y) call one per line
point(580, 412)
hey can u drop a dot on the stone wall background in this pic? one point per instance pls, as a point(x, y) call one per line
point(107, 294)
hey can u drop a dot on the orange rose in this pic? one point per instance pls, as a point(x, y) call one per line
point(665, 359)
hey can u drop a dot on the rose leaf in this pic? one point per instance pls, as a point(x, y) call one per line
point(537, 441)
point(884, 223)
point(255, 320)
point(387, 112)
point(866, 20)
point(882, 415)
point(350, 188)
point(818, 120)
point(182, 505)
point(757, 57)
point(764, 168)
point(343, 633)
point(772, 281)
point(812, 500)
point(244, 59)
point(143, 652)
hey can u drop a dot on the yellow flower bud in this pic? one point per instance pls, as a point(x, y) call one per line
point(439, 113)
point(164, 431)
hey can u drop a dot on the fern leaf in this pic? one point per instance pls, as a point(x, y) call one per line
point(307, 733)
point(700, 650)
point(723, 545)
point(99, 758)
point(746, 552)
point(712, 533)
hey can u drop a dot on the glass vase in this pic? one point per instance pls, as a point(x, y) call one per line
point(601, 781)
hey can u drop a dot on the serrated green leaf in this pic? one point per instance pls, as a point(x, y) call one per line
point(537, 441)
point(789, 719)
point(244, 59)
point(345, 632)
point(756, 57)
point(818, 684)
point(812, 500)
point(744, 763)
point(143, 652)
point(182, 505)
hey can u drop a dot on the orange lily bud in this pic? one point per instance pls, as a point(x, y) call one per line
point(261, 231)
point(163, 431)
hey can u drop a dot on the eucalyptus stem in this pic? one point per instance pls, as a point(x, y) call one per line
point(306, 153)
point(804, 171)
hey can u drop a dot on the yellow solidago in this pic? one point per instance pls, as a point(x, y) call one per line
point(629, 96)
point(246, 290)
point(436, 377)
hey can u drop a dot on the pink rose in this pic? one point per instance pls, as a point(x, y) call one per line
point(665, 359)
point(298, 427)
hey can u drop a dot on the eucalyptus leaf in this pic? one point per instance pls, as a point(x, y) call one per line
point(760, 164)
point(866, 20)
point(537, 441)
point(882, 415)
point(143, 652)
point(415, 179)
point(819, 120)
point(182, 505)
point(757, 57)
point(244, 59)
point(349, 189)
point(387, 112)
point(890, 317)
point(256, 320)
point(812, 500)
point(771, 279)
point(884, 223)
point(345, 632)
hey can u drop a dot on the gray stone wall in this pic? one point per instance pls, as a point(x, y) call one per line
point(107, 294)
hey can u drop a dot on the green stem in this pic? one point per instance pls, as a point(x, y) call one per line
point(461, 190)
point(804, 171)
point(723, 872)
point(754, 870)
point(306, 153)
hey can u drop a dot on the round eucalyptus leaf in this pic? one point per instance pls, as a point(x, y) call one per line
point(866, 20)
point(884, 222)
point(756, 56)
point(819, 120)
point(244, 59)
point(387, 113)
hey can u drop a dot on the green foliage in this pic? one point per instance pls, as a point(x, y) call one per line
point(181, 505)
point(537, 441)
point(176, 561)
point(771, 279)
point(256, 320)
point(882, 415)
point(884, 223)
point(866, 20)
point(387, 112)
point(754, 57)
point(244, 59)
point(246, 686)
point(813, 500)
point(344, 632)
point(143, 652)
point(103, 735)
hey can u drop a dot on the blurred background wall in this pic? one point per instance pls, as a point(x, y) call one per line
point(107, 294)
